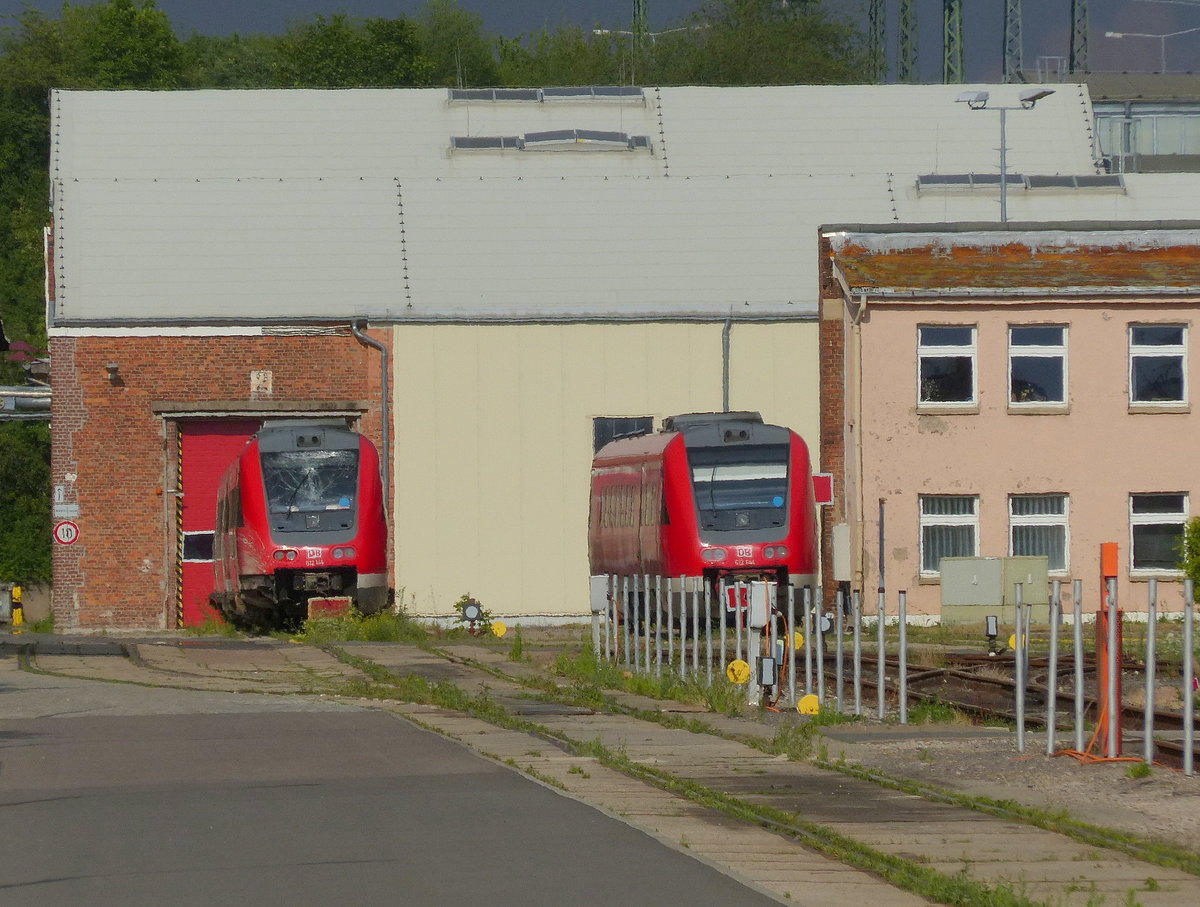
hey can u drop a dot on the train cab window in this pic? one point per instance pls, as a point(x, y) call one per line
point(307, 481)
point(741, 487)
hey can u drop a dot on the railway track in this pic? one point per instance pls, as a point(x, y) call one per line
point(990, 696)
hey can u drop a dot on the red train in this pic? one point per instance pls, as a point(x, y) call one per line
point(718, 495)
point(300, 515)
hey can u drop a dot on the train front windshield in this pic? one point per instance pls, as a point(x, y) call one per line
point(741, 487)
point(305, 481)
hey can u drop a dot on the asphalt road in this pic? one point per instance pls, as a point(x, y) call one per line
point(119, 794)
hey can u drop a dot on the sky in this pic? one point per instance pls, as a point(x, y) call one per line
point(1046, 25)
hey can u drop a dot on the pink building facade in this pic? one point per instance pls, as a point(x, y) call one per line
point(1018, 392)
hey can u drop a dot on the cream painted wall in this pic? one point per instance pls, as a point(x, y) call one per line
point(1098, 452)
point(492, 428)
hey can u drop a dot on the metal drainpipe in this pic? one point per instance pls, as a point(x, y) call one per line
point(725, 332)
point(384, 412)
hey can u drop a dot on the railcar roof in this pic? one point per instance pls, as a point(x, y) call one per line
point(636, 447)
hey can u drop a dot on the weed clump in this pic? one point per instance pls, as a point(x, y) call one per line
point(355, 627)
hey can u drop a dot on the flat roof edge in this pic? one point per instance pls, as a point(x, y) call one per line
point(1097, 226)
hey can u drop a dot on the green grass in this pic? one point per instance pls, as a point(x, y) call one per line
point(213, 626)
point(934, 711)
point(386, 627)
point(45, 625)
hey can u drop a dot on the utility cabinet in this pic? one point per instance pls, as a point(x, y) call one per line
point(975, 587)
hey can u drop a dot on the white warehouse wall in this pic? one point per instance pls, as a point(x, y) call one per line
point(492, 429)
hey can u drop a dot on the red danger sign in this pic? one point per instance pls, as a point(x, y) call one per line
point(66, 532)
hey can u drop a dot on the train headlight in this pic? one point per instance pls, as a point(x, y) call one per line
point(781, 550)
point(291, 555)
point(278, 555)
point(349, 552)
point(337, 552)
point(714, 555)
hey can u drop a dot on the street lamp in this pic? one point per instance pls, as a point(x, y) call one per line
point(978, 100)
point(1161, 38)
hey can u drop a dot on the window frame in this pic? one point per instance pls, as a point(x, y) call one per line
point(1040, 351)
point(933, 520)
point(970, 351)
point(1051, 520)
point(1157, 518)
point(1158, 351)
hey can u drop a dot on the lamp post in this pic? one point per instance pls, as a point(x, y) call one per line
point(1162, 39)
point(978, 100)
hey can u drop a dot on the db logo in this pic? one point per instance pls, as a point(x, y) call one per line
point(743, 551)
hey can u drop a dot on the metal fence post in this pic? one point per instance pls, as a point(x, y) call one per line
point(1189, 704)
point(722, 599)
point(1077, 595)
point(646, 618)
point(1019, 664)
point(1114, 721)
point(880, 656)
point(856, 604)
point(808, 641)
point(659, 584)
point(708, 625)
point(819, 642)
point(696, 581)
point(1148, 707)
point(670, 627)
point(624, 580)
point(1052, 669)
point(840, 638)
point(790, 647)
point(903, 642)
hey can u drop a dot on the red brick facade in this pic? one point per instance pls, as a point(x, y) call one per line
point(115, 447)
point(831, 339)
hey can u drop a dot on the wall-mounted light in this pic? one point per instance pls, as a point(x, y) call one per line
point(114, 373)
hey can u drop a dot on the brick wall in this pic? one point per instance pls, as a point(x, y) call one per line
point(114, 454)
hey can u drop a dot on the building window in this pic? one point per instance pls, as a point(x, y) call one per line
point(949, 528)
point(1156, 531)
point(946, 355)
point(1157, 364)
point(1037, 527)
point(1037, 365)
point(611, 428)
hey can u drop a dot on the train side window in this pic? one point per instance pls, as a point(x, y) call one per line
point(610, 428)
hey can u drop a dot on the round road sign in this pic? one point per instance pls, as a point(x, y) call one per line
point(66, 532)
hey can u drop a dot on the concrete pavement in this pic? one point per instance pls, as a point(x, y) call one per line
point(1042, 865)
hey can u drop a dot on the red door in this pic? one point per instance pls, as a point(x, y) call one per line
point(207, 450)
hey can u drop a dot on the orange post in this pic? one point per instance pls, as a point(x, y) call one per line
point(1109, 718)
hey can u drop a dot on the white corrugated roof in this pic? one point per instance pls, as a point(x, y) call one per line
point(270, 205)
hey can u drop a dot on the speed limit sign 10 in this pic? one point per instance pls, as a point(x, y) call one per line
point(66, 532)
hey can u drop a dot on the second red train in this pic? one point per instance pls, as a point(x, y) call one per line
point(713, 495)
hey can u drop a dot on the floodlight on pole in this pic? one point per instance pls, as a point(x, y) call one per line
point(1162, 39)
point(978, 100)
